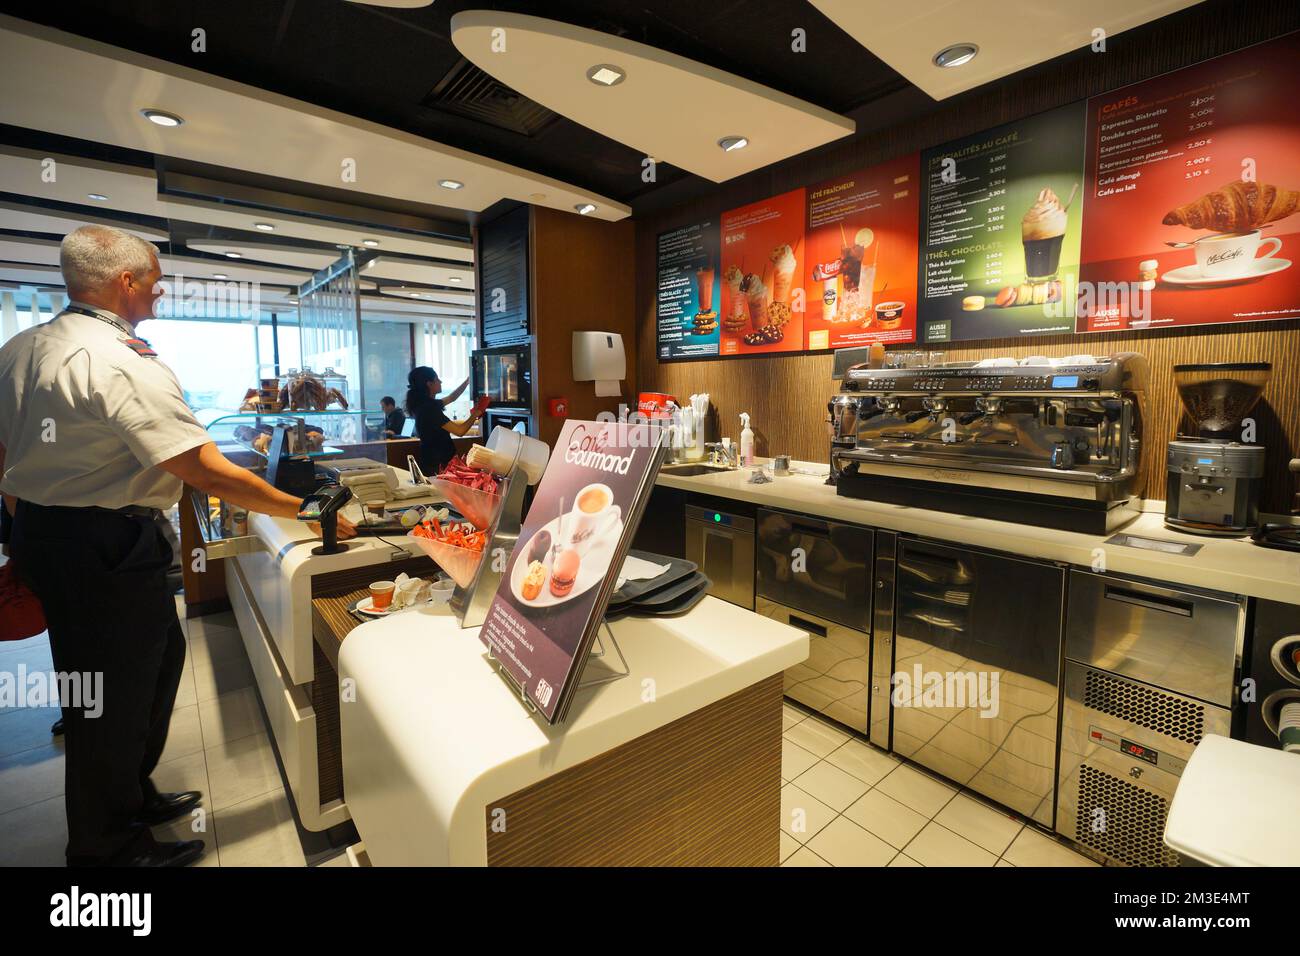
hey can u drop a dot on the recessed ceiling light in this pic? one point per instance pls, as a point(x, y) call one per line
point(162, 117)
point(450, 183)
point(730, 143)
point(453, 278)
point(264, 226)
point(98, 197)
point(958, 54)
point(233, 255)
point(220, 275)
point(584, 208)
point(293, 301)
point(605, 74)
point(370, 242)
point(537, 197)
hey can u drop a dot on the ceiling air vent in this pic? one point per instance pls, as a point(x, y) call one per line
point(468, 91)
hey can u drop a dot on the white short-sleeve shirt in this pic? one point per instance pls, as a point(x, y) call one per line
point(87, 412)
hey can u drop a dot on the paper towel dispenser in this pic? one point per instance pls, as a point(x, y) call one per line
point(599, 357)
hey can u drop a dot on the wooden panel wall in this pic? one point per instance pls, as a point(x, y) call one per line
point(582, 281)
point(787, 394)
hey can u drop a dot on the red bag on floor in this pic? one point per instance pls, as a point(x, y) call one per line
point(21, 614)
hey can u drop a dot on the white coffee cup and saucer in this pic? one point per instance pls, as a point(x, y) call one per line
point(1229, 258)
point(593, 516)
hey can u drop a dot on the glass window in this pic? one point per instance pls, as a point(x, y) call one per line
point(387, 359)
point(215, 361)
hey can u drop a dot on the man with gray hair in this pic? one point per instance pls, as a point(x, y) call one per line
point(95, 438)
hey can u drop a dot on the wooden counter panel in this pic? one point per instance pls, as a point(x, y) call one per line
point(704, 790)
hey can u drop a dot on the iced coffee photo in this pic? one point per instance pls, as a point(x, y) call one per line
point(1043, 231)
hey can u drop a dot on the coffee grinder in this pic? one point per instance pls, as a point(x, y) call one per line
point(1214, 477)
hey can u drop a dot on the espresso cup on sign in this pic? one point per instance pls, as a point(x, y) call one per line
point(1232, 253)
point(593, 514)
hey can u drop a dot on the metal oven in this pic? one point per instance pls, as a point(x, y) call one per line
point(504, 374)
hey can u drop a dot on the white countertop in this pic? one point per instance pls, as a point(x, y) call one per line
point(1234, 565)
point(279, 573)
point(435, 734)
point(1207, 821)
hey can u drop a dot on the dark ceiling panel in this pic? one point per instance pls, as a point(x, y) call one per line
point(381, 64)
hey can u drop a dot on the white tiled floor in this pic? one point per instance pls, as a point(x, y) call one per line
point(845, 803)
point(217, 744)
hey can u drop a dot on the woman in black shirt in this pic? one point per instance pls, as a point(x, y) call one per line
point(431, 422)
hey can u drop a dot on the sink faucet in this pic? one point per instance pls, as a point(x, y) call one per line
point(726, 454)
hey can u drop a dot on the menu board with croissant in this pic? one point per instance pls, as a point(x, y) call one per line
point(1192, 196)
point(763, 299)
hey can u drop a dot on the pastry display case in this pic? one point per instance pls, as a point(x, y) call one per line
point(245, 437)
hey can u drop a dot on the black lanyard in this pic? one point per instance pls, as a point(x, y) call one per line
point(95, 315)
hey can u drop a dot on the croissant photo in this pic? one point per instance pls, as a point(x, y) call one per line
point(1236, 206)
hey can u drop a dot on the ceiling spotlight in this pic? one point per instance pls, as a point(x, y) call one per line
point(453, 278)
point(603, 74)
point(161, 117)
point(370, 242)
point(731, 143)
point(264, 226)
point(98, 197)
point(958, 54)
point(584, 208)
point(220, 275)
point(233, 255)
point(450, 183)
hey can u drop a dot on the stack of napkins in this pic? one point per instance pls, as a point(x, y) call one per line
point(377, 484)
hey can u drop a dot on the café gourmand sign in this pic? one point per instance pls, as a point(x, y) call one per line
point(1172, 202)
point(559, 577)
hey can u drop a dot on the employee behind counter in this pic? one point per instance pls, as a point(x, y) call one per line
point(431, 422)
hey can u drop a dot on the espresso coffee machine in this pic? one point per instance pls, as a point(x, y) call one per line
point(1049, 442)
point(843, 410)
point(1214, 477)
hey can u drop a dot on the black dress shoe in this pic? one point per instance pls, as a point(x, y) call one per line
point(56, 729)
point(164, 854)
point(168, 806)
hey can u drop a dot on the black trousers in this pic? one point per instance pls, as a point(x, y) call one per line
point(101, 578)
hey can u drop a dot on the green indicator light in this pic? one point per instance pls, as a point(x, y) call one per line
point(717, 517)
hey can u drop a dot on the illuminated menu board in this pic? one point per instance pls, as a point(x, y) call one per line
point(1192, 195)
point(1000, 228)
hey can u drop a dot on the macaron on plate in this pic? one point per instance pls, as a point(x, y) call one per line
point(591, 568)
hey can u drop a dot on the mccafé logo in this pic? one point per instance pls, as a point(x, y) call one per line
point(588, 450)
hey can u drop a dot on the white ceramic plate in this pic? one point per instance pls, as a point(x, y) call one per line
point(367, 606)
point(1191, 275)
point(595, 563)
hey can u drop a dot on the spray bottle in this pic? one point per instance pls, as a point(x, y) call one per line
point(746, 440)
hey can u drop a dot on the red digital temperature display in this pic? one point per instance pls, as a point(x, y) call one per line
point(1137, 750)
